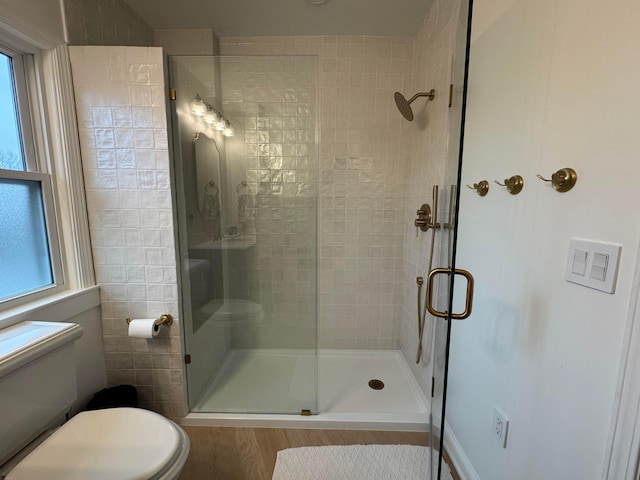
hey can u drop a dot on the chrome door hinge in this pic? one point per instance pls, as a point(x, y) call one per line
point(187, 359)
point(172, 93)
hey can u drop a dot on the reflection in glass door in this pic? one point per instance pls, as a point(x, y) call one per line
point(245, 153)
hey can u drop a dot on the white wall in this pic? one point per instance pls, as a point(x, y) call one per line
point(195, 41)
point(81, 307)
point(43, 17)
point(104, 22)
point(552, 84)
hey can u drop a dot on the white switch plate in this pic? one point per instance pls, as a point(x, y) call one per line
point(607, 254)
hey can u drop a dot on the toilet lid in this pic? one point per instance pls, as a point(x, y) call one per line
point(118, 443)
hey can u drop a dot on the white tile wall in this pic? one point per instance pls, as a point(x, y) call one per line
point(433, 47)
point(273, 103)
point(123, 132)
point(364, 153)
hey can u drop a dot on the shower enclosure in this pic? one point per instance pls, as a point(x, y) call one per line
point(298, 270)
point(245, 148)
point(246, 171)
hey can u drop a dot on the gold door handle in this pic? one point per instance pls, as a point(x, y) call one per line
point(469, 299)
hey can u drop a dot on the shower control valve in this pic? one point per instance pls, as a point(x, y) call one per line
point(423, 222)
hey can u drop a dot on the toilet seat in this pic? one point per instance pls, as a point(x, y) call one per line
point(118, 443)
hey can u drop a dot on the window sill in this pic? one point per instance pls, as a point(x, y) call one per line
point(56, 308)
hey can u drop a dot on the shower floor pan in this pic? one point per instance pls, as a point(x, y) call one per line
point(276, 381)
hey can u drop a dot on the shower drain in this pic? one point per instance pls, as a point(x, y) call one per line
point(376, 384)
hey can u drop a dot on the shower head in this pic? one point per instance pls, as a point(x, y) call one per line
point(404, 105)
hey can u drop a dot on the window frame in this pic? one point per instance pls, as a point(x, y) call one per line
point(29, 94)
point(21, 91)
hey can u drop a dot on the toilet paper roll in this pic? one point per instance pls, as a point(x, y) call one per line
point(144, 327)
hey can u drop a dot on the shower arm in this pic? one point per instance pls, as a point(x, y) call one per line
point(430, 94)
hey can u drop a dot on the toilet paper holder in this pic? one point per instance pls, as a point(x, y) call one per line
point(165, 319)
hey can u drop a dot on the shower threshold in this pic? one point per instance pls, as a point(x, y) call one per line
point(284, 380)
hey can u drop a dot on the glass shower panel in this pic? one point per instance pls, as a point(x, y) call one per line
point(245, 148)
point(444, 284)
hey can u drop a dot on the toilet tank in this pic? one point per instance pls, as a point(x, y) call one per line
point(37, 380)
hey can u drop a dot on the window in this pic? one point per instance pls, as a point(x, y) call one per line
point(30, 263)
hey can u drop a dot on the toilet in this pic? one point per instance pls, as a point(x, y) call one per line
point(37, 389)
point(240, 313)
point(240, 318)
point(198, 270)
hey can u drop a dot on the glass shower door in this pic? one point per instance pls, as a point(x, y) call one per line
point(245, 149)
point(447, 308)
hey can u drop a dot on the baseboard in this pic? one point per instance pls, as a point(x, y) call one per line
point(458, 458)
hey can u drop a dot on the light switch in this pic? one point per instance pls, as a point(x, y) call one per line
point(599, 266)
point(579, 262)
point(593, 264)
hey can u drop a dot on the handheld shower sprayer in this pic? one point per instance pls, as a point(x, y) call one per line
point(422, 311)
point(404, 105)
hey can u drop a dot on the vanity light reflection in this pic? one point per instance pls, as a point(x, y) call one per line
point(210, 116)
point(198, 107)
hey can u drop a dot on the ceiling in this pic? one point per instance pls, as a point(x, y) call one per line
point(286, 17)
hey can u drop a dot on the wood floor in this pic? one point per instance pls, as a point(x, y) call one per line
point(224, 453)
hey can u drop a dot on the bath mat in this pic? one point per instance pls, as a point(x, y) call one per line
point(354, 462)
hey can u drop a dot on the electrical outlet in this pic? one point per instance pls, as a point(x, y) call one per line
point(500, 427)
